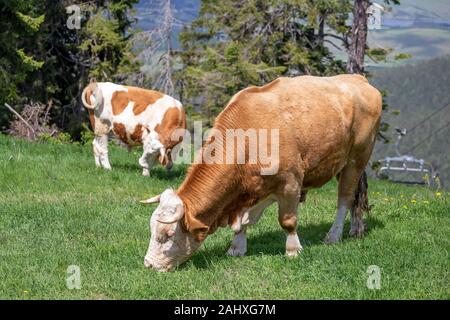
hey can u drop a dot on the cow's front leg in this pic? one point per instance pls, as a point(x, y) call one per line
point(144, 164)
point(287, 217)
point(100, 146)
point(238, 247)
point(146, 161)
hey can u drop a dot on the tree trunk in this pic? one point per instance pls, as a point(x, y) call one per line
point(321, 29)
point(355, 63)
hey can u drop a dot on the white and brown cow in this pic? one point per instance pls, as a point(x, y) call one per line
point(137, 117)
point(327, 128)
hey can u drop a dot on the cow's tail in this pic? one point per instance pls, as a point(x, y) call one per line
point(93, 91)
point(360, 205)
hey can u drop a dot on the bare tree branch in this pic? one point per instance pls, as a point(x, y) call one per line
point(20, 117)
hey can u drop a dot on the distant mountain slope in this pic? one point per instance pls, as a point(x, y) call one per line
point(420, 10)
point(421, 43)
point(416, 13)
point(418, 90)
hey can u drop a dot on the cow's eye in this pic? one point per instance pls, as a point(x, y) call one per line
point(162, 238)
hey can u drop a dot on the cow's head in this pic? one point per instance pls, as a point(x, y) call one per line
point(170, 245)
point(154, 149)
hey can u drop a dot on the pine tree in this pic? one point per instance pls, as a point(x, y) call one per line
point(106, 40)
point(234, 44)
point(18, 21)
point(41, 59)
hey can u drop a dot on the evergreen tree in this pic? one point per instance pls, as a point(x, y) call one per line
point(42, 59)
point(107, 40)
point(234, 44)
point(18, 21)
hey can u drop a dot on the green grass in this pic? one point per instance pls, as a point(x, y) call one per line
point(57, 209)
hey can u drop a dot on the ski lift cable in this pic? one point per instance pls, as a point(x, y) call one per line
point(417, 124)
point(444, 168)
point(428, 137)
point(427, 118)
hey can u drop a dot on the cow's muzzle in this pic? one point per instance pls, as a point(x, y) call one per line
point(148, 264)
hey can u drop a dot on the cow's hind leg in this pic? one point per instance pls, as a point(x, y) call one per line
point(100, 146)
point(287, 216)
point(348, 183)
point(360, 205)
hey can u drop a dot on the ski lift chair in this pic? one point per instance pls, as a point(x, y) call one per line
point(405, 169)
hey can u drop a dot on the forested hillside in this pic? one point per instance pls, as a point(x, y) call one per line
point(419, 91)
point(44, 60)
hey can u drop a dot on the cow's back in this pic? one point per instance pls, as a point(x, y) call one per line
point(322, 121)
point(131, 109)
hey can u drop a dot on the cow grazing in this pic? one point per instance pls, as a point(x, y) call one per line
point(137, 117)
point(327, 128)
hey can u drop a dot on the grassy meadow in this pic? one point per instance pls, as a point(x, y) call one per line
point(57, 209)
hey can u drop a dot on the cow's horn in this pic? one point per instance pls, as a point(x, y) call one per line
point(162, 154)
point(154, 199)
point(179, 212)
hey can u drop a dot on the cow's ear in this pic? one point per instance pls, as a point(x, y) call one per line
point(196, 227)
point(200, 233)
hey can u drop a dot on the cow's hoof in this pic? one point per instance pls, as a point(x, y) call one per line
point(146, 173)
point(108, 168)
point(357, 232)
point(293, 245)
point(332, 238)
point(357, 229)
point(236, 252)
point(294, 253)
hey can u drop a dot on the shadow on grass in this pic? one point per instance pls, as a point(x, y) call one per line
point(162, 173)
point(273, 242)
point(126, 167)
point(157, 172)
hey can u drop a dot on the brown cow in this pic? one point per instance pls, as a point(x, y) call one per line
point(137, 117)
point(327, 128)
